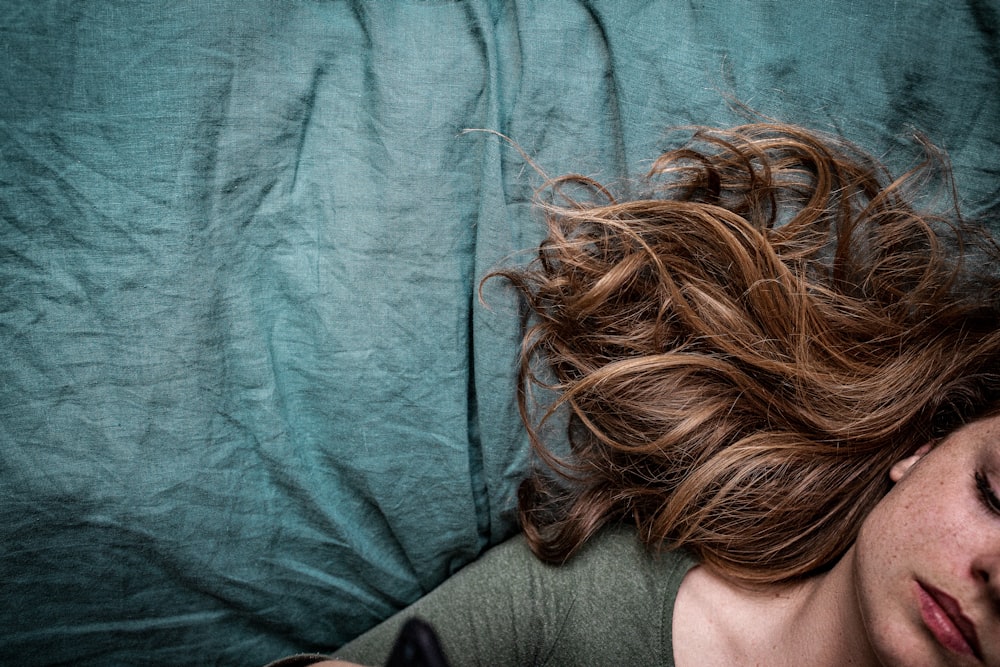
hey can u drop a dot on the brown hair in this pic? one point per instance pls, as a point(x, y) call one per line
point(744, 352)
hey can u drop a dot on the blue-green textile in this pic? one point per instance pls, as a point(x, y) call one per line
point(249, 405)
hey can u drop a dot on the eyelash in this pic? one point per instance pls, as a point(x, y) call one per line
point(989, 497)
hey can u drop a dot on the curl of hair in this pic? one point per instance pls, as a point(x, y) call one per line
point(744, 352)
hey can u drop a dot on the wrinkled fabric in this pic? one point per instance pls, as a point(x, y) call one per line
point(250, 404)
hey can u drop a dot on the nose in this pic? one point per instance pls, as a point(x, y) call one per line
point(986, 569)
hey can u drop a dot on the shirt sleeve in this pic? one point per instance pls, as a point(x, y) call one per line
point(487, 614)
point(606, 606)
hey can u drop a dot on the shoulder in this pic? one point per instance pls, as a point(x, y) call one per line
point(615, 554)
point(614, 563)
point(611, 542)
point(612, 602)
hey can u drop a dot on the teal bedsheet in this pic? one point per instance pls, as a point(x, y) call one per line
point(249, 404)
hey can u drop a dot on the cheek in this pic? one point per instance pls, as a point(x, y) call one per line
point(889, 529)
point(883, 573)
point(894, 543)
point(920, 529)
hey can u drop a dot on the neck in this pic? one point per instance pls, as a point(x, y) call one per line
point(827, 623)
point(814, 622)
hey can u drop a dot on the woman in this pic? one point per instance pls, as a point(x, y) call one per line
point(783, 377)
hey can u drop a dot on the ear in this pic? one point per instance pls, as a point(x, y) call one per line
point(900, 468)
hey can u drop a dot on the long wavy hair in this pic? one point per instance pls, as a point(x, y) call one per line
point(743, 352)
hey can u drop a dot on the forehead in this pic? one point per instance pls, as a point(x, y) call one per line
point(982, 435)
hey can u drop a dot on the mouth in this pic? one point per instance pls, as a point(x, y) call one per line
point(942, 614)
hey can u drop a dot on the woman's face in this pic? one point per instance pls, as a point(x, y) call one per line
point(927, 560)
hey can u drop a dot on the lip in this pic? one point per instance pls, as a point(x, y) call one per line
point(942, 614)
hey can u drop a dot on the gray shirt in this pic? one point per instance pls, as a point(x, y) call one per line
point(612, 604)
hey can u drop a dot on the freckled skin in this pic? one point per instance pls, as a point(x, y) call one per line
point(933, 527)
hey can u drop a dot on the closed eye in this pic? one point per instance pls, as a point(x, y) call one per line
point(986, 493)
